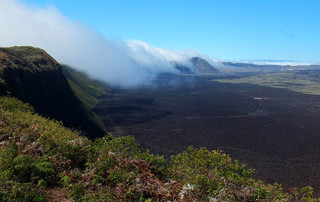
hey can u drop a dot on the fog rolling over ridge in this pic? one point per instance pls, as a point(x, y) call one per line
point(123, 63)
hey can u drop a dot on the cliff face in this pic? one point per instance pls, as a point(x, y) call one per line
point(33, 76)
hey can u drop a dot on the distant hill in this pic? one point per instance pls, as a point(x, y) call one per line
point(202, 66)
point(198, 66)
point(33, 76)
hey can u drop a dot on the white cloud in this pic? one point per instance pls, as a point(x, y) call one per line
point(121, 63)
point(281, 62)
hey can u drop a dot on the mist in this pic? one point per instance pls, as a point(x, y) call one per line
point(122, 63)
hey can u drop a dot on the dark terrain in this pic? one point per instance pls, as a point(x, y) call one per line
point(275, 131)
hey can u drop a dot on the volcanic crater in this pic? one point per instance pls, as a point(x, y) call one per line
point(275, 131)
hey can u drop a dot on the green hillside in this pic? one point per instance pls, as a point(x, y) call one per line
point(86, 89)
point(34, 77)
point(40, 160)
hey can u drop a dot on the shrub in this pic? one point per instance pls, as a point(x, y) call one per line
point(214, 174)
point(14, 191)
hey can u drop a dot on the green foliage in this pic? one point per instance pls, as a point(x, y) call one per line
point(127, 147)
point(26, 53)
point(304, 194)
point(14, 191)
point(123, 145)
point(77, 192)
point(42, 183)
point(210, 171)
point(7, 154)
point(14, 105)
point(39, 157)
point(23, 168)
point(66, 180)
point(88, 100)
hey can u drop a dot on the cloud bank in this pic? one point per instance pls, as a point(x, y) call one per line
point(281, 62)
point(122, 63)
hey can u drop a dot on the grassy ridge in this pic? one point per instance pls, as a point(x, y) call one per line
point(33, 76)
point(40, 160)
point(86, 89)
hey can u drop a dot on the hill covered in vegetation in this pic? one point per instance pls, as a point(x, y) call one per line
point(86, 89)
point(33, 76)
point(40, 160)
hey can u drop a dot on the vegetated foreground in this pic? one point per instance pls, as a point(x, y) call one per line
point(273, 130)
point(41, 160)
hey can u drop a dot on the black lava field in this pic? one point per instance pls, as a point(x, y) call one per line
point(275, 131)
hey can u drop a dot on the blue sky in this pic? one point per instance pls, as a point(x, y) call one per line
point(224, 29)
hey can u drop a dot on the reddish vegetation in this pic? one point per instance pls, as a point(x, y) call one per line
point(58, 195)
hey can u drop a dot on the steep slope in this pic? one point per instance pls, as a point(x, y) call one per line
point(85, 88)
point(33, 76)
